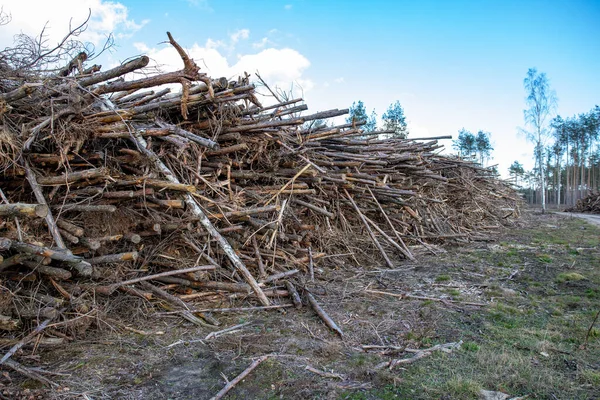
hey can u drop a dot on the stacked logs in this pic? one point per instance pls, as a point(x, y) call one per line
point(588, 204)
point(113, 185)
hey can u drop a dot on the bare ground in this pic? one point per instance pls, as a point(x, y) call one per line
point(541, 283)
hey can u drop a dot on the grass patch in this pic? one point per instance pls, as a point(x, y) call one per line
point(569, 277)
point(545, 258)
point(526, 344)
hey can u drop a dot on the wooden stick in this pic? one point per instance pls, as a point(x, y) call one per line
point(385, 235)
point(114, 286)
point(69, 227)
point(227, 150)
point(86, 208)
point(111, 258)
point(39, 195)
point(186, 313)
point(189, 135)
point(121, 70)
point(133, 237)
point(23, 210)
point(91, 244)
point(38, 329)
point(279, 276)
point(371, 234)
point(294, 294)
point(589, 331)
point(231, 309)
point(419, 353)
point(14, 260)
point(316, 209)
point(231, 328)
point(57, 273)
point(261, 265)
point(238, 378)
point(73, 177)
point(410, 296)
point(243, 213)
point(44, 252)
point(197, 211)
point(127, 194)
point(291, 181)
point(125, 134)
point(325, 374)
point(29, 373)
point(406, 251)
point(323, 315)
point(311, 268)
point(70, 237)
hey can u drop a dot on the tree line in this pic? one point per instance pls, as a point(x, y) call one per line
point(393, 119)
point(566, 150)
point(475, 147)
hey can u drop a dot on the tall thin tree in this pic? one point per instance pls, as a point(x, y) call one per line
point(540, 102)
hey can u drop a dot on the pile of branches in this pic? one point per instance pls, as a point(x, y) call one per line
point(589, 204)
point(118, 185)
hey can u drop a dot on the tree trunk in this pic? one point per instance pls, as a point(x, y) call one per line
point(542, 175)
point(558, 172)
point(567, 174)
point(582, 176)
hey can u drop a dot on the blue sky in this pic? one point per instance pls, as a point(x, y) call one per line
point(451, 64)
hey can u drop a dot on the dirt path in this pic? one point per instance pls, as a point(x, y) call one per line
point(591, 218)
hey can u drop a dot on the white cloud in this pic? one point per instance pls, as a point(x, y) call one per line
point(141, 47)
point(283, 68)
point(30, 17)
point(261, 44)
point(339, 80)
point(287, 7)
point(239, 34)
point(275, 65)
point(214, 44)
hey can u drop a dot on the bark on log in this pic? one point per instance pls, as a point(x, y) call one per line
point(45, 252)
point(86, 208)
point(71, 177)
point(69, 227)
point(121, 70)
point(189, 135)
point(23, 210)
point(294, 294)
point(114, 258)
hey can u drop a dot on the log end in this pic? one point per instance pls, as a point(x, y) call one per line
point(41, 210)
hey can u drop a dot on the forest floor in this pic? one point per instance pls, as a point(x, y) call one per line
point(533, 339)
